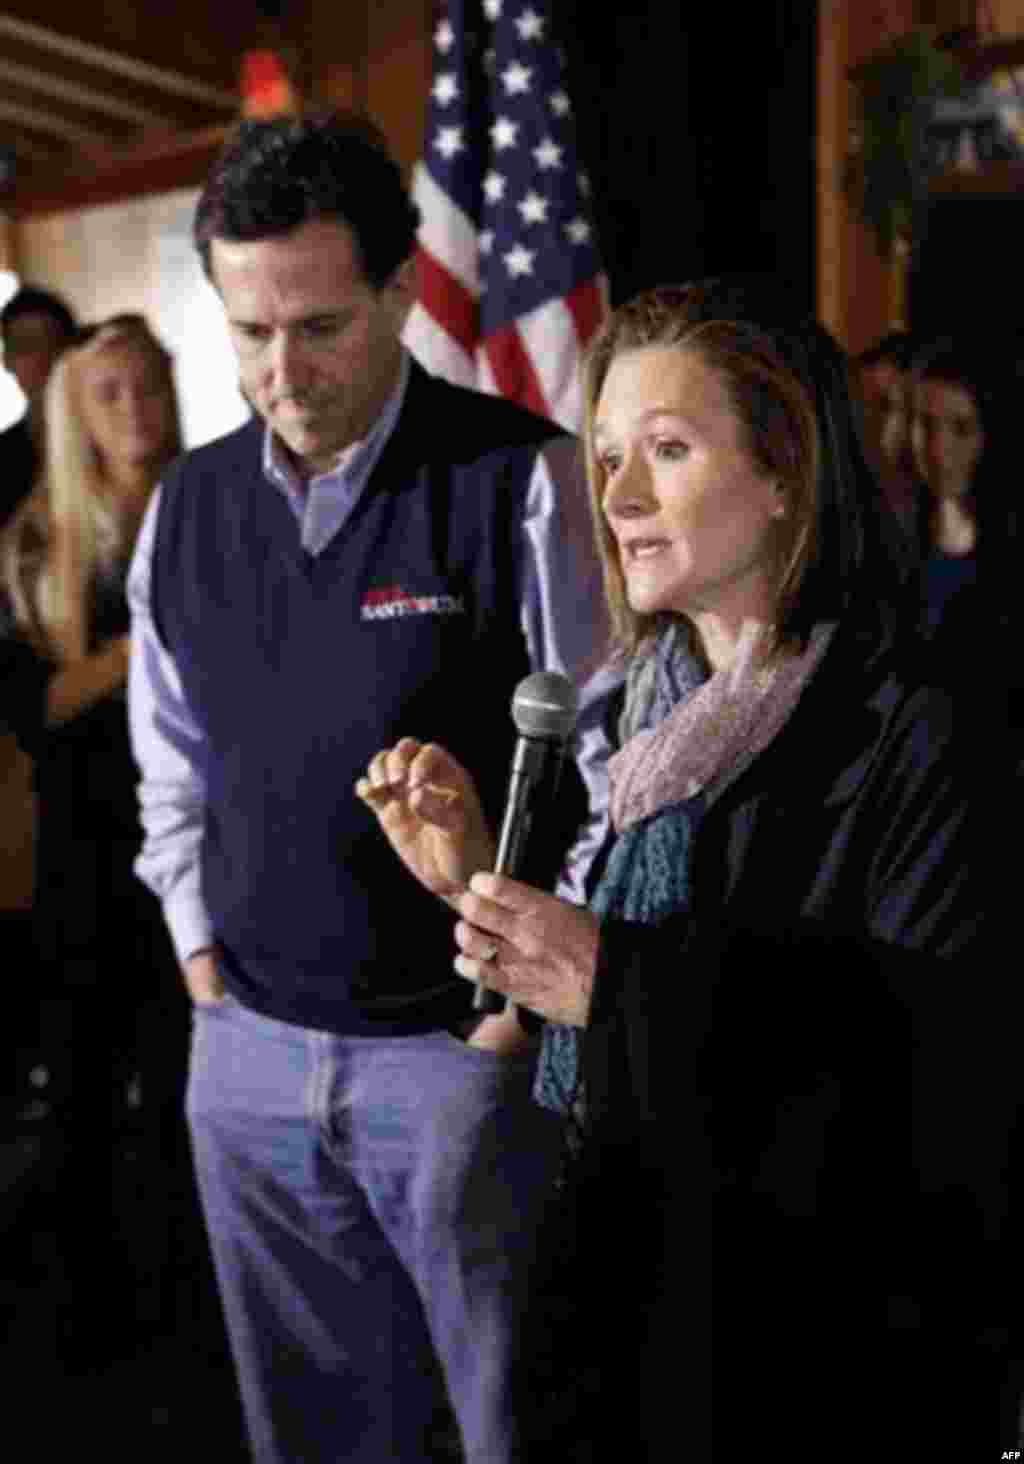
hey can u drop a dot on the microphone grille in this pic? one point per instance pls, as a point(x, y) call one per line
point(545, 705)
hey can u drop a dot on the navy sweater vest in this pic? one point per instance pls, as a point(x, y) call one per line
point(300, 669)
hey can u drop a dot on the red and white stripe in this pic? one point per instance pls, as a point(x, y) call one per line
point(534, 362)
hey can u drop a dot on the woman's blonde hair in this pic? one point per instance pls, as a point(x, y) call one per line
point(770, 399)
point(70, 527)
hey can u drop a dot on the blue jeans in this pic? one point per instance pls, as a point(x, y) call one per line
point(373, 1205)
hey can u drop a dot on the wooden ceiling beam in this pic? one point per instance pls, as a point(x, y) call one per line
point(115, 62)
point(51, 125)
point(183, 161)
point(47, 83)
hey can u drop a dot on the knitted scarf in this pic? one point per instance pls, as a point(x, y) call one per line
point(686, 738)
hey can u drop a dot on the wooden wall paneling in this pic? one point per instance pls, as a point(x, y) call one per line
point(17, 827)
point(833, 128)
point(375, 57)
point(855, 286)
point(1007, 16)
point(854, 281)
point(8, 241)
point(336, 35)
point(399, 54)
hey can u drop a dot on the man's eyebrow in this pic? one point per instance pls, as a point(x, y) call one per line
point(329, 312)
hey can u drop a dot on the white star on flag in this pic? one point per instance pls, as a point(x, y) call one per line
point(494, 187)
point(504, 133)
point(516, 78)
point(530, 26)
point(548, 154)
point(519, 261)
point(445, 89)
point(533, 208)
point(449, 142)
point(509, 282)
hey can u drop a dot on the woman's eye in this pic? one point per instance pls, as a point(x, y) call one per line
point(609, 462)
point(670, 448)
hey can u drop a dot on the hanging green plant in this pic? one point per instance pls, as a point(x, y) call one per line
point(896, 88)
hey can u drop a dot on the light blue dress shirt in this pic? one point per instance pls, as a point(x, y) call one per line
point(562, 614)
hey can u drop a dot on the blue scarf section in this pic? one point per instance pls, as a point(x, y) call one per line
point(647, 877)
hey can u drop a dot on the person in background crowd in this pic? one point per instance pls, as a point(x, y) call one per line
point(954, 393)
point(35, 327)
point(881, 377)
point(375, 549)
point(965, 399)
point(791, 943)
point(114, 1024)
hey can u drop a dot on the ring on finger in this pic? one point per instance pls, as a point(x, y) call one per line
point(488, 953)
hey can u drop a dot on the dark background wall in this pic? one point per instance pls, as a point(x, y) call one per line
point(966, 265)
point(698, 124)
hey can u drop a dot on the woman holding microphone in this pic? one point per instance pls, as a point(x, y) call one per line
point(752, 1025)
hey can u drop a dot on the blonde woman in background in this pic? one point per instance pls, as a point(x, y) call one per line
point(112, 1019)
point(112, 427)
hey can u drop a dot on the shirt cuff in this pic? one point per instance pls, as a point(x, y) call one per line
point(188, 924)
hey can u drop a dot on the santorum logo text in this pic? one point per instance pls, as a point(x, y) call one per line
point(394, 603)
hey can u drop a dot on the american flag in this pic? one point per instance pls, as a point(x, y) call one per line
point(509, 279)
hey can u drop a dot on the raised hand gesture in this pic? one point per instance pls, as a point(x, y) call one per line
point(429, 808)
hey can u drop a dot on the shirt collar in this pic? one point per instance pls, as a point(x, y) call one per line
point(355, 461)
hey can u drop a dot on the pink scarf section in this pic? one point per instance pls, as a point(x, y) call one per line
point(709, 739)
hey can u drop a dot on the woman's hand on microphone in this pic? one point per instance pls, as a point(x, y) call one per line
point(427, 805)
point(537, 949)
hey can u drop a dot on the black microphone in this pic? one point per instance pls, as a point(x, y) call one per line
point(544, 710)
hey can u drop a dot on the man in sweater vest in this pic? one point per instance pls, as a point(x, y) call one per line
point(376, 553)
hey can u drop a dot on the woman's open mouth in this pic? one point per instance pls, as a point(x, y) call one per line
point(640, 549)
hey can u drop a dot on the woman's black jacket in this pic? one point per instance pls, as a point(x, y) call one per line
point(801, 1093)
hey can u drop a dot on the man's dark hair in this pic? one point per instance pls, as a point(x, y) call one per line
point(275, 175)
point(30, 300)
